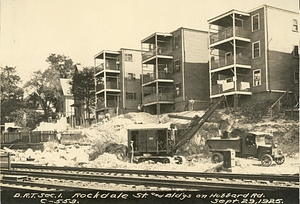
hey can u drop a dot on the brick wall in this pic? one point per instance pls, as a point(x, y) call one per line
point(282, 67)
point(258, 63)
point(197, 81)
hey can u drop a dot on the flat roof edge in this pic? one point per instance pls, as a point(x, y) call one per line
point(272, 7)
point(228, 13)
point(107, 51)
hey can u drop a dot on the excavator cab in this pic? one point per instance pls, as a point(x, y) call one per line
point(150, 141)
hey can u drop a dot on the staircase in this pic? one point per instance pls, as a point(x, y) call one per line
point(283, 111)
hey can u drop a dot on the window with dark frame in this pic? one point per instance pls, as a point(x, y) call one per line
point(295, 25)
point(130, 95)
point(176, 42)
point(256, 77)
point(296, 51)
point(177, 66)
point(128, 57)
point(255, 22)
point(131, 76)
point(255, 50)
point(178, 89)
point(296, 77)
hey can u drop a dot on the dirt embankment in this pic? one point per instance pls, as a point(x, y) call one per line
point(108, 141)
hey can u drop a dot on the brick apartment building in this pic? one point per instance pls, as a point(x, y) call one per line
point(254, 55)
point(117, 81)
point(174, 70)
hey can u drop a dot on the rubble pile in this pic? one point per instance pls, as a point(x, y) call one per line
point(108, 144)
point(54, 154)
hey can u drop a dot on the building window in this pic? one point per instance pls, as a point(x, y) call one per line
point(255, 22)
point(131, 76)
point(296, 51)
point(256, 77)
point(178, 89)
point(128, 57)
point(295, 25)
point(255, 50)
point(176, 42)
point(296, 77)
point(176, 66)
point(130, 95)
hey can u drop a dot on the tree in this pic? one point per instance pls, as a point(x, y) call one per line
point(83, 87)
point(62, 64)
point(27, 118)
point(46, 86)
point(11, 93)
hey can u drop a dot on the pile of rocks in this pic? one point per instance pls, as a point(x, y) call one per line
point(53, 155)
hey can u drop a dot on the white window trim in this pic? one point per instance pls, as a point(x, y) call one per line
point(177, 65)
point(258, 50)
point(176, 37)
point(293, 25)
point(252, 22)
point(259, 77)
point(179, 87)
point(126, 57)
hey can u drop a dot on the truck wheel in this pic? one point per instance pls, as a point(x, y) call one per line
point(266, 160)
point(280, 160)
point(217, 158)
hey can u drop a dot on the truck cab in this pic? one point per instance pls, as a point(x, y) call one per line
point(251, 144)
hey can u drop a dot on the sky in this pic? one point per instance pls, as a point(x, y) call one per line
point(33, 29)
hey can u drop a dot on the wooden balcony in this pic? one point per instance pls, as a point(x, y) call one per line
point(161, 97)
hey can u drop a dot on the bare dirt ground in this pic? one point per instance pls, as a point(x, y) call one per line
point(285, 131)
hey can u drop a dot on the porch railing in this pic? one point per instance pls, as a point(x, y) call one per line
point(224, 33)
point(225, 61)
point(152, 76)
point(156, 51)
point(230, 87)
point(109, 103)
point(158, 97)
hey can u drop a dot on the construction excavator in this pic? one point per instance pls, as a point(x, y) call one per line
point(157, 142)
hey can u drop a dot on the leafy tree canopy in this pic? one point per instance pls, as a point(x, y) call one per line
point(83, 86)
point(26, 118)
point(62, 64)
point(46, 86)
point(11, 93)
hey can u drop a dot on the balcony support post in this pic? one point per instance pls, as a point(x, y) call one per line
point(104, 80)
point(95, 82)
point(157, 109)
point(234, 54)
point(235, 100)
point(156, 77)
point(209, 55)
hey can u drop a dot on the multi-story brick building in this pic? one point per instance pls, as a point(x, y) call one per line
point(175, 69)
point(253, 55)
point(117, 81)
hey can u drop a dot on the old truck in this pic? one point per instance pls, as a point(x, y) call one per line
point(249, 144)
point(157, 142)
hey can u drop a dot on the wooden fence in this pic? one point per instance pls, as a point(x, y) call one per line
point(27, 137)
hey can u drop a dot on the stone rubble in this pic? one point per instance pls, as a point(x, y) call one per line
point(107, 136)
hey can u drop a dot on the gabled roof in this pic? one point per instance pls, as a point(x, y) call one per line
point(66, 87)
